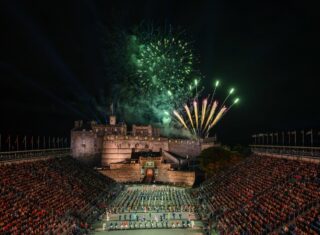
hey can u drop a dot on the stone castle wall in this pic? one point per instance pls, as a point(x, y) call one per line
point(91, 148)
point(123, 172)
point(126, 172)
point(181, 177)
point(118, 149)
point(175, 177)
point(183, 148)
point(96, 149)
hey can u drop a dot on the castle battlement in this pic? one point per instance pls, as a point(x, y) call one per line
point(105, 144)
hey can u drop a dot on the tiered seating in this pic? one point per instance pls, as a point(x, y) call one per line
point(261, 194)
point(309, 223)
point(305, 224)
point(53, 195)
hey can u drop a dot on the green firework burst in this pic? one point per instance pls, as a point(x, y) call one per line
point(163, 68)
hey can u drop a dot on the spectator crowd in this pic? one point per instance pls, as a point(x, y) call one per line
point(52, 196)
point(263, 195)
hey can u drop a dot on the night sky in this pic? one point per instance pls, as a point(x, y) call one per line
point(51, 59)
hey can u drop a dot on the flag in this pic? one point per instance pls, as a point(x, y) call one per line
point(309, 132)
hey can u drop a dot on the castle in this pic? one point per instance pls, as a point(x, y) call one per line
point(128, 156)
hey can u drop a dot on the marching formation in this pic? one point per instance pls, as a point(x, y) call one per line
point(150, 206)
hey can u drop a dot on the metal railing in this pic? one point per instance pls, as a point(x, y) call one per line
point(30, 154)
point(298, 151)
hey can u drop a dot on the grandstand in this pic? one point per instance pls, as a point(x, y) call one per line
point(268, 192)
point(262, 195)
point(53, 196)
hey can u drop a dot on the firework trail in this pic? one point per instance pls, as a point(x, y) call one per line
point(200, 124)
point(213, 109)
point(218, 117)
point(190, 118)
point(180, 119)
point(203, 110)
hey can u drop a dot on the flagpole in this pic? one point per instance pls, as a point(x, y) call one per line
point(295, 137)
point(9, 143)
point(17, 142)
point(267, 138)
point(311, 142)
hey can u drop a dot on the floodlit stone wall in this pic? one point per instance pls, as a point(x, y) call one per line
point(183, 148)
point(175, 177)
point(133, 172)
point(123, 172)
point(106, 144)
point(118, 149)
